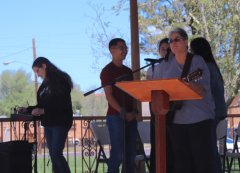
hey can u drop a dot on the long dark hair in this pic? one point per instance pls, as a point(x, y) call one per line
point(54, 76)
point(164, 40)
point(201, 46)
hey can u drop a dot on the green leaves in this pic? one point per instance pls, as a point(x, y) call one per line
point(217, 21)
point(17, 89)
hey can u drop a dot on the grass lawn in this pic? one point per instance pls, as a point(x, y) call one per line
point(81, 166)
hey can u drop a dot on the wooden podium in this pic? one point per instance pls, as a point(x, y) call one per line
point(159, 92)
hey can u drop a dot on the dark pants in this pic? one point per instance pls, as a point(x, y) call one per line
point(194, 147)
point(55, 138)
point(116, 126)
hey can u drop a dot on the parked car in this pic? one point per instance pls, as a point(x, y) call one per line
point(74, 141)
point(230, 144)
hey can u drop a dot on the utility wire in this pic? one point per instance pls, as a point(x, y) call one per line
point(15, 53)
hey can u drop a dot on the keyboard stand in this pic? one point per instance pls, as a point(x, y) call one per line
point(27, 119)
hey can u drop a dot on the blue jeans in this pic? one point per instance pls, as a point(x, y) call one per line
point(55, 138)
point(116, 128)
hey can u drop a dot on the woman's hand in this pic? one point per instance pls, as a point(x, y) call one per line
point(139, 117)
point(37, 111)
point(130, 116)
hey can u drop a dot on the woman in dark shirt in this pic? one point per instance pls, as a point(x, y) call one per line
point(201, 46)
point(55, 108)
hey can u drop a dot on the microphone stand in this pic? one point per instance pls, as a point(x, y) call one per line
point(123, 111)
point(120, 78)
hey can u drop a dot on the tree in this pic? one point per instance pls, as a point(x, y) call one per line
point(77, 99)
point(94, 105)
point(218, 21)
point(101, 33)
point(220, 25)
point(16, 89)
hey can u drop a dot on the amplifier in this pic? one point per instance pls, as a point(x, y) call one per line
point(16, 157)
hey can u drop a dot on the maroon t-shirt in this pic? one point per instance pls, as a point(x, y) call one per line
point(108, 74)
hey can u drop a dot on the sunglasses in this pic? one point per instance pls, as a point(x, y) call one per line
point(175, 40)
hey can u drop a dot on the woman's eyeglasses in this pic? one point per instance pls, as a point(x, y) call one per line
point(175, 40)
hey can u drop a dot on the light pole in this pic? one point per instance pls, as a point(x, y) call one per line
point(36, 88)
point(34, 58)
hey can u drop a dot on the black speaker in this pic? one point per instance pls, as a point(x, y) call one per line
point(16, 157)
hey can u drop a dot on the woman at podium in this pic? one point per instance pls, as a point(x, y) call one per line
point(192, 128)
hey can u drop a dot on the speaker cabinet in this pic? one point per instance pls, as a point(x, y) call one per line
point(16, 157)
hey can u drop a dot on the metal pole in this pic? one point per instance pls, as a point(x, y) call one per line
point(37, 132)
point(34, 58)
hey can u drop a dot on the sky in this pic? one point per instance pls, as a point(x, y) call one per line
point(62, 32)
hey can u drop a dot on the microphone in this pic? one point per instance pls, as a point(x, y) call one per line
point(153, 61)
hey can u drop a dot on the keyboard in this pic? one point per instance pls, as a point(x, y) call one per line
point(24, 117)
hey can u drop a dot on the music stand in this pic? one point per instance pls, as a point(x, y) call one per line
point(160, 92)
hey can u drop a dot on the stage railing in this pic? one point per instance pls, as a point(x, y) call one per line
point(80, 148)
